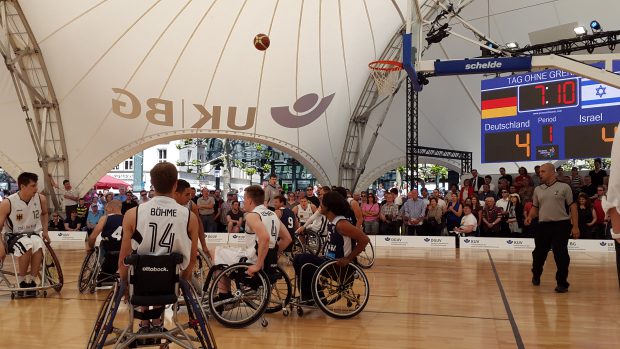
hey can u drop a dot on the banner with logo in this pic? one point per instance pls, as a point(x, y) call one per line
point(216, 238)
point(528, 244)
point(591, 245)
point(67, 236)
point(415, 241)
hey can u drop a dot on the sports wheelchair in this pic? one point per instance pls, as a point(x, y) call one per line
point(97, 269)
point(153, 281)
point(50, 276)
point(268, 291)
point(340, 292)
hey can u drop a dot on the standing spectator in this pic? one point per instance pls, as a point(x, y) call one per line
point(562, 177)
point(144, 197)
point(193, 193)
point(311, 197)
point(424, 197)
point(129, 202)
point(82, 211)
point(433, 220)
point(522, 179)
point(224, 209)
point(290, 200)
point(380, 193)
point(234, 218)
point(217, 196)
point(121, 196)
point(370, 212)
point(599, 227)
point(491, 219)
point(389, 216)
point(486, 193)
point(271, 191)
point(549, 204)
point(512, 189)
point(440, 202)
point(515, 215)
point(503, 175)
point(398, 200)
point(487, 181)
point(588, 187)
point(597, 174)
point(536, 177)
point(475, 180)
point(469, 223)
point(503, 201)
point(70, 197)
point(502, 184)
point(526, 191)
point(93, 217)
point(476, 210)
point(206, 206)
point(576, 181)
point(586, 216)
point(467, 191)
point(72, 223)
point(56, 223)
point(413, 213)
point(455, 211)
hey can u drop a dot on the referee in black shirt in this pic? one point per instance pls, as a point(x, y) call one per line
point(550, 200)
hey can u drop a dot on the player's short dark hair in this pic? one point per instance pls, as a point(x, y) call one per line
point(342, 191)
point(598, 160)
point(25, 178)
point(164, 177)
point(273, 175)
point(335, 203)
point(65, 181)
point(280, 198)
point(256, 193)
point(182, 185)
point(468, 205)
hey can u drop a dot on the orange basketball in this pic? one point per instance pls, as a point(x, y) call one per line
point(261, 42)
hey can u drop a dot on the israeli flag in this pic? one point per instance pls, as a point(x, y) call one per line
point(595, 95)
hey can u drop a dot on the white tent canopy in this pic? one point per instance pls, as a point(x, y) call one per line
point(189, 69)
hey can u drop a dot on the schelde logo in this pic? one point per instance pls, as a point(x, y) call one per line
point(155, 269)
point(427, 239)
point(486, 65)
point(284, 117)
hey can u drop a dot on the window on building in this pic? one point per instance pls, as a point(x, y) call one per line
point(189, 155)
point(117, 167)
point(162, 155)
point(129, 164)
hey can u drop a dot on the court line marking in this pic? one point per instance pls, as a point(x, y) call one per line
point(438, 315)
point(511, 318)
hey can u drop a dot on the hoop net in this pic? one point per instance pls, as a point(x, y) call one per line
point(385, 74)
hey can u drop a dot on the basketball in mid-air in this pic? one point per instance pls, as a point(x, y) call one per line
point(261, 42)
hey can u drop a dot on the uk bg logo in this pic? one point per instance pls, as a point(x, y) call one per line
point(284, 117)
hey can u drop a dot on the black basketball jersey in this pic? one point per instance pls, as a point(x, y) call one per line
point(288, 218)
point(338, 245)
point(112, 232)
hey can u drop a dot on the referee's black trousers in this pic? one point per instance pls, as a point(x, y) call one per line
point(552, 235)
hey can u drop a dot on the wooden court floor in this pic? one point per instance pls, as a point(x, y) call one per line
point(420, 298)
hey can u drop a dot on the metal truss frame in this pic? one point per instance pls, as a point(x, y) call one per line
point(24, 61)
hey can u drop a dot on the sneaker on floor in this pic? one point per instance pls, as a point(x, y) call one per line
point(22, 284)
point(220, 297)
point(31, 293)
point(535, 281)
point(144, 341)
point(561, 289)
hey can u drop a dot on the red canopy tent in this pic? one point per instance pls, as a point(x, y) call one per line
point(107, 182)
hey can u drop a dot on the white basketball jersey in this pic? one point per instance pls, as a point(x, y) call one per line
point(302, 214)
point(272, 224)
point(24, 217)
point(161, 229)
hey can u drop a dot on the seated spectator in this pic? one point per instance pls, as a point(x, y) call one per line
point(502, 203)
point(486, 193)
point(522, 179)
point(512, 189)
point(440, 202)
point(94, 214)
point(487, 181)
point(586, 216)
point(469, 223)
point(56, 223)
point(455, 211)
point(234, 218)
point(73, 223)
point(503, 175)
point(491, 219)
point(526, 191)
point(467, 190)
point(559, 173)
point(388, 216)
point(433, 220)
point(514, 215)
point(588, 187)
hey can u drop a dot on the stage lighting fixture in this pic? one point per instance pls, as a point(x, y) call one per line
point(596, 26)
point(579, 31)
point(512, 45)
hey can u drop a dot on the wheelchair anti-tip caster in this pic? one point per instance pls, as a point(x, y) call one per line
point(285, 312)
point(300, 312)
point(264, 323)
point(12, 295)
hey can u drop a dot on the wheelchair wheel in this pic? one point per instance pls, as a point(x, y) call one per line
point(281, 291)
point(105, 318)
point(313, 242)
point(53, 272)
point(248, 298)
point(201, 271)
point(87, 271)
point(197, 317)
point(366, 259)
point(341, 292)
point(297, 247)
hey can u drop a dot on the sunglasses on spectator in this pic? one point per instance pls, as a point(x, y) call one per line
point(504, 191)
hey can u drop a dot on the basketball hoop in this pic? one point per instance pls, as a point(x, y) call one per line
point(386, 75)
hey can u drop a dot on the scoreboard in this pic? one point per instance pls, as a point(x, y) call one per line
point(548, 115)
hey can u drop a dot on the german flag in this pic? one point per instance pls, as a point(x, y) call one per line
point(499, 103)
